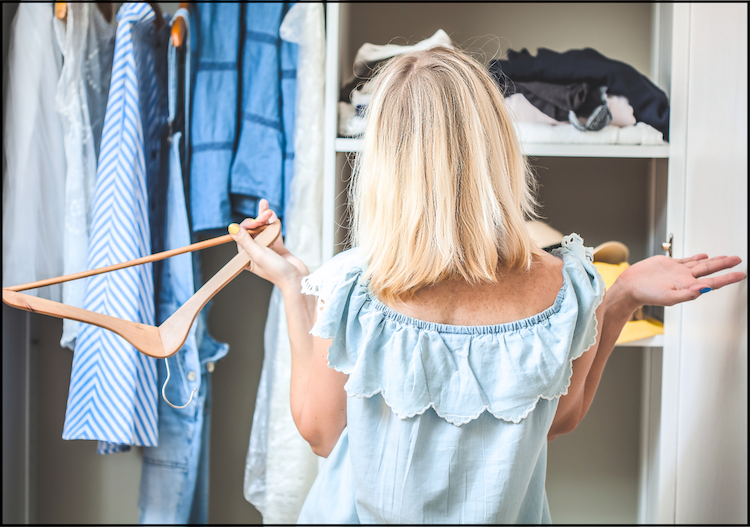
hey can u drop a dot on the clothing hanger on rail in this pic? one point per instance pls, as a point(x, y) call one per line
point(179, 27)
point(158, 342)
point(106, 8)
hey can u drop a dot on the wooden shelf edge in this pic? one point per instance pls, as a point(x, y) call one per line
point(656, 341)
point(350, 144)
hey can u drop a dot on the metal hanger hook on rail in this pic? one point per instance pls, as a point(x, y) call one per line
point(164, 388)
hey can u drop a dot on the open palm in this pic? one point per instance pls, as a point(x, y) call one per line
point(663, 281)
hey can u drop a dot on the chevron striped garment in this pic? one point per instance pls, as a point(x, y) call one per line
point(113, 388)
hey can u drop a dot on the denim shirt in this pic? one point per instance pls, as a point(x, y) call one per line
point(174, 478)
point(243, 113)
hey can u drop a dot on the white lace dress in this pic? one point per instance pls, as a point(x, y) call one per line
point(87, 42)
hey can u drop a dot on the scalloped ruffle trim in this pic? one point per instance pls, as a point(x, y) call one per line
point(462, 420)
point(572, 242)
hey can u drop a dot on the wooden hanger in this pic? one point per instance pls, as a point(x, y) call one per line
point(61, 10)
point(106, 8)
point(158, 342)
point(179, 28)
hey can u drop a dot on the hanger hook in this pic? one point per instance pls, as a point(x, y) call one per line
point(164, 394)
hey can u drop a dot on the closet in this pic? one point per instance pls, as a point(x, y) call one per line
point(666, 439)
point(621, 464)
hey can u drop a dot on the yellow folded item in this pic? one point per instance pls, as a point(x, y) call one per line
point(610, 272)
point(640, 329)
point(634, 329)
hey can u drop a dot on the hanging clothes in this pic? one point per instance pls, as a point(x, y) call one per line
point(174, 477)
point(34, 175)
point(280, 466)
point(113, 391)
point(650, 104)
point(242, 140)
point(87, 42)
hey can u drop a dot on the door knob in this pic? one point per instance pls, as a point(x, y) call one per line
point(667, 246)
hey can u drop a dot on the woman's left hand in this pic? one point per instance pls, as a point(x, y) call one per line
point(274, 263)
point(664, 281)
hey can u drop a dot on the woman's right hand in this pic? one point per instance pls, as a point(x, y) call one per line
point(664, 281)
point(274, 263)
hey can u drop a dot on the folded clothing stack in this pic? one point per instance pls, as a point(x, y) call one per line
point(355, 94)
point(580, 87)
point(576, 97)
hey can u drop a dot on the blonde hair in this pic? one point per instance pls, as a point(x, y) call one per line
point(440, 188)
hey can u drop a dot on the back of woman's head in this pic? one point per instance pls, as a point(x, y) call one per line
point(440, 188)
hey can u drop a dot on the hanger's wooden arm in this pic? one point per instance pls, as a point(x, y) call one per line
point(167, 339)
point(179, 28)
point(61, 10)
point(142, 336)
point(138, 261)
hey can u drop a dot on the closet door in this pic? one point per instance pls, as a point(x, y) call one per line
point(703, 445)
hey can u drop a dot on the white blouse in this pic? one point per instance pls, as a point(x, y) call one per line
point(34, 173)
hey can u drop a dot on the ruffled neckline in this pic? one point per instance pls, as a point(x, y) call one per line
point(425, 325)
point(459, 371)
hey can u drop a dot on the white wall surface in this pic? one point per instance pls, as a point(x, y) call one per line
point(711, 477)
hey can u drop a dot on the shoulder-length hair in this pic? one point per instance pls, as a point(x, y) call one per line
point(440, 189)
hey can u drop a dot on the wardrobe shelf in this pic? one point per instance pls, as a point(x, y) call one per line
point(349, 144)
point(656, 341)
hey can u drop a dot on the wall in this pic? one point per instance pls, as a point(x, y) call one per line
point(711, 448)
point(620, 31)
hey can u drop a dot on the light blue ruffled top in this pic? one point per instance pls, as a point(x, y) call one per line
point(445, 424)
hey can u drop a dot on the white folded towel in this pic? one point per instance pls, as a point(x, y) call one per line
point(375, 52)
point(522, 110)
point(640, 134)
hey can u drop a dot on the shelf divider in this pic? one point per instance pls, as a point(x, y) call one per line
point(351, 144)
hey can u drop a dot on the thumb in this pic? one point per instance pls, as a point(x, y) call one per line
point(245, 241)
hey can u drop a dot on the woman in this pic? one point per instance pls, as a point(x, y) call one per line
point(447, 348)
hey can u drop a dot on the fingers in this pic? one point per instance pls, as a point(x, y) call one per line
point(265, 216)
point(246, 243)
point(713, 265)
point(262, 219)
point(717, 282)
point(694, 258)
point(273, 217)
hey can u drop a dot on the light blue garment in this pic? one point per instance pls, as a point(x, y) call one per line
point(113, 392)
point(445, 424)
point(243, 113)
point(174, 477)
point(264, 162)
point(214, 115)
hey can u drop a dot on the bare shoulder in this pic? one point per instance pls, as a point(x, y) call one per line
point(518, 294)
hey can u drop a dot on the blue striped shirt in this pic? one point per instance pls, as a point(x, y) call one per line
point(113, 387)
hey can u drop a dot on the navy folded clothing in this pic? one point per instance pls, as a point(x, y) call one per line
point(650, 104)
point(556, 100)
